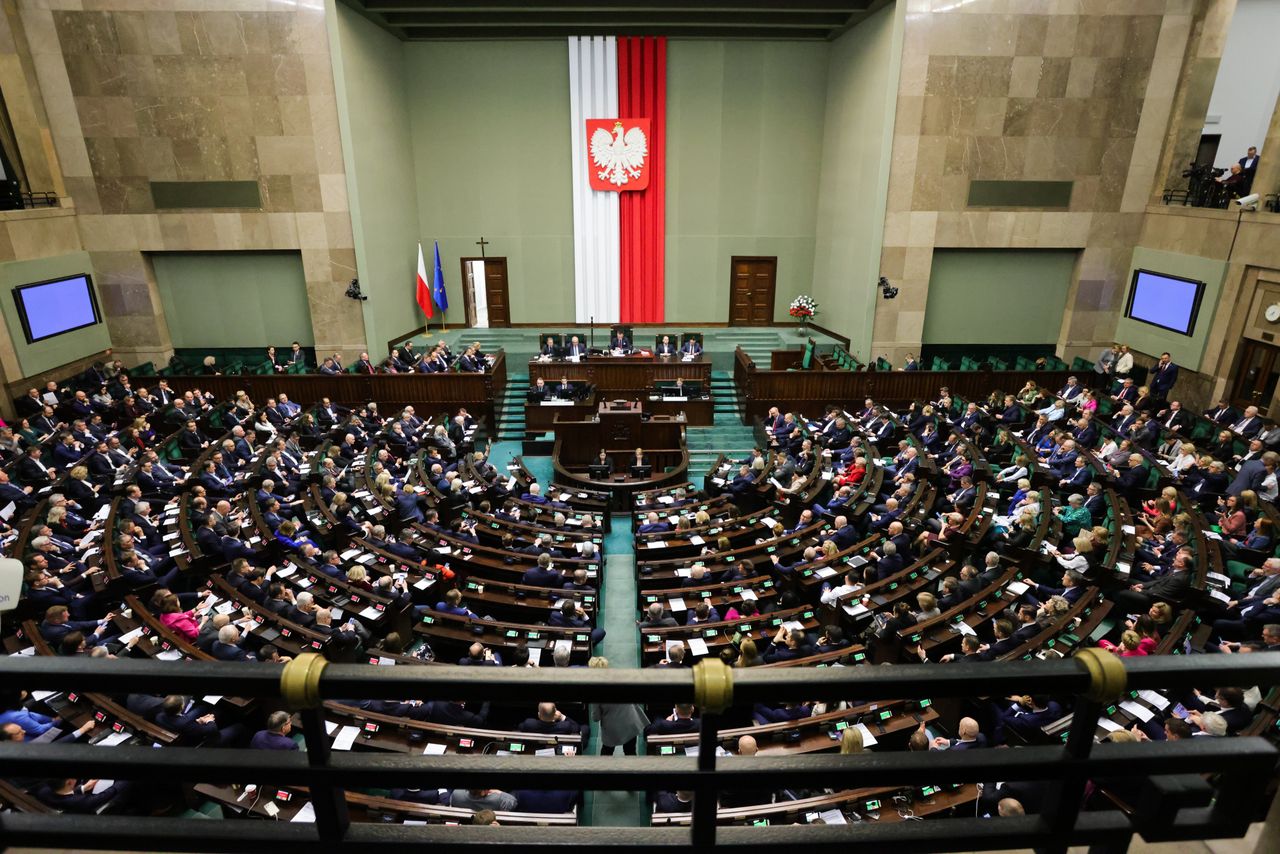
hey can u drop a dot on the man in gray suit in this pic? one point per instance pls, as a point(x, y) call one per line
point(655, 619)
point(1252, 472)
point(1170, 587)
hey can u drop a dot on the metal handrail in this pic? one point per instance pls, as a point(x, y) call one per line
point(1097, 678)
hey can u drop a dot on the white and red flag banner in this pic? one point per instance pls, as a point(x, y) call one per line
point(618, 92)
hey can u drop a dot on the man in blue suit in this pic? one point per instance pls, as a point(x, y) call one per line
point(407, 506)
point(1163, 375)
point(691, 347)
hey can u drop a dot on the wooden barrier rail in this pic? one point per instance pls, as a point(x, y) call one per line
point(811, 391)
point(477, 392)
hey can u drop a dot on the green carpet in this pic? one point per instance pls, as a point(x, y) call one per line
point(622, 647)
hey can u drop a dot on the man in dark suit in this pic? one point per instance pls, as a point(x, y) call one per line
point(968, 737)
point(1133, 478)
point(1248, 169)
point(195, 723)
point(1252, 473)
point(656, 618)
point(620, 342)
point(550, 721)
point(680, 721)
point(575, 348)
point(363, 365)
point(691, 347)
point(1249, 424)
point(550, 348)
point(227, 646)
point(20, 497)
point(1163, 375)
point(1222, 413)
point(1173, 417)
point(653, 525)
point(543, 574)
point(665, 347)
point(1170, 587)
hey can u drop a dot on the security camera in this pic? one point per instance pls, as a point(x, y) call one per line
point(353, 291)
point(1249, 202)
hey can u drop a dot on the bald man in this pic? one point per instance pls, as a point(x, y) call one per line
point(747, 746)
point(969, 737)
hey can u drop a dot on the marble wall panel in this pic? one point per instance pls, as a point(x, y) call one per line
point(1078, 90)
point(196, 90)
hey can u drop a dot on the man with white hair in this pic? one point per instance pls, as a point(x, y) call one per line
point(227, 646)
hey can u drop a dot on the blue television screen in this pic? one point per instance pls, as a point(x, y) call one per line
point(56, 306)
point(1170, 302)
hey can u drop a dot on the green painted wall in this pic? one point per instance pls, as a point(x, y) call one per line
point(373, 115)
point(233, 299)
point(62, 349)
point(857, 146)
point(744, 143)
point(490, 134)
point(1145, 338)
point(1009, 296)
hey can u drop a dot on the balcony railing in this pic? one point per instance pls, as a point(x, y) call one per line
point(1179, 803)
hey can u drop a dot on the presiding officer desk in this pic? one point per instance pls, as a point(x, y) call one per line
point(630, 376)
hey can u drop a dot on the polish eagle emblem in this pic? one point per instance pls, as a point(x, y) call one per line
point(619, 157)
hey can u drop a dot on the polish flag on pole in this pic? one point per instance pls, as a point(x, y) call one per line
point(423, 290)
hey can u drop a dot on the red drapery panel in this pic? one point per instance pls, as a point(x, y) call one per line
point(642, 93)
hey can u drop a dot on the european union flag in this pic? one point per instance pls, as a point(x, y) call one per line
point(437, 283)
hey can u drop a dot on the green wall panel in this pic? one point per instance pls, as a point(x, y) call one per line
point(233, 299)
point(997, 296)
point(490, 133)
point(856, 154)
point(373, 114)
point(744, 141)
point(1145, 338)
point(62, 349)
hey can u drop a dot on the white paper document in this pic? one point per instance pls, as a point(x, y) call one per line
point(1138, 710)
point(346, 737)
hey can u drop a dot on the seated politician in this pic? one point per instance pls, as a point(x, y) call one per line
point(620, 343)
point(550, 348)
point(575, 348)
point(691, 347)
point(665, 347)
point(604, 461)
point(538, 392)
point(564, 389)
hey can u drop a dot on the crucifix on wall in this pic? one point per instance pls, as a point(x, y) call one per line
point(482, 243)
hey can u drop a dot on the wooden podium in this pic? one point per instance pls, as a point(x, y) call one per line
point(620, 423)
point(618, 428)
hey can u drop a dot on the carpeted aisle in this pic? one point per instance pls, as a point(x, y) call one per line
point(622, 647)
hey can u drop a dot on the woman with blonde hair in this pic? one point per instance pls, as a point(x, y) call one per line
point(701, 518)
point(82, 491)
point(748, 654)
point(830, 549)
point(620, 723)
point(358, 577)
point(1185, 459)
point(851, 741)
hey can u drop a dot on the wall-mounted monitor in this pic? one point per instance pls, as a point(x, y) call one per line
point(56, 306)
point(1170, 302)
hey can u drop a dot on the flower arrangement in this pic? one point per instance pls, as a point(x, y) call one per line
point(804, 307)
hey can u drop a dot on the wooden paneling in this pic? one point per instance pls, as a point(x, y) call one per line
point(810, 391)
point(425, 392)
point(626, 376)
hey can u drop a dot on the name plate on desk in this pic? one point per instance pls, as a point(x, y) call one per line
point(557, 402)
point(681, 399)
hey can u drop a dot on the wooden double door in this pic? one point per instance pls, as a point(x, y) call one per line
point(753, 282)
